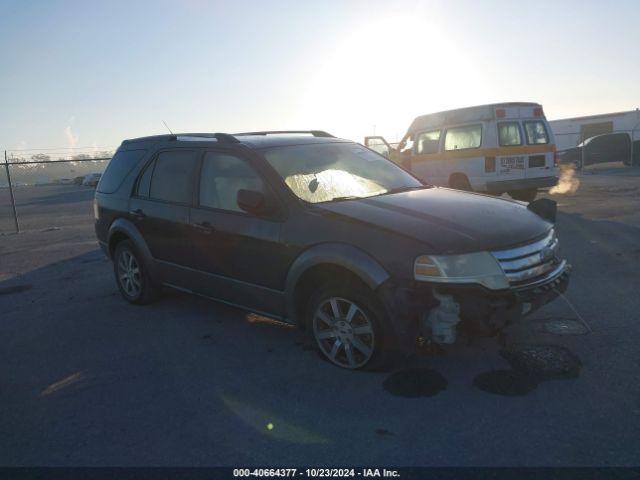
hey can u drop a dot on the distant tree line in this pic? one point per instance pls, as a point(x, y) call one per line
point(43, 157)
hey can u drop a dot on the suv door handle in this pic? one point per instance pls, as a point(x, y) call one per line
point(137, 213)
point(204, 227)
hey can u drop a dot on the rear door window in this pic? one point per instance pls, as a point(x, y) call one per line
point(119, 167)
point(509, 134)
point(462, 138)
point(144, 183)
point(428, 142)
point(536, 132)
point(172, 176)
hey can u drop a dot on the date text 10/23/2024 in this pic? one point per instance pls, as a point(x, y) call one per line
point(316, 472)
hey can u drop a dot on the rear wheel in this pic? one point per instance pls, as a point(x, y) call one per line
point(460, 182)
point(132, 275)
point(346, 323)
point(528, 195)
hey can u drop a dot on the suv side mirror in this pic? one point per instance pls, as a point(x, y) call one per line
point(253, 202)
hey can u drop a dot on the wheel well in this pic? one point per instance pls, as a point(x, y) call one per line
point(115, 239)
point(316, 276)
point(459, 177)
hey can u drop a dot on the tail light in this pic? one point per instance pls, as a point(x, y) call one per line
point(556, 159)
point(489, 164)
point(537, 112)
point(500, 113)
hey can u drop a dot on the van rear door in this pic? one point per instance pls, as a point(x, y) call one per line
point(511, 163)
point(539, 140)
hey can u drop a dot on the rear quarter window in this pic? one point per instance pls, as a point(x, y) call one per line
point(119, 167)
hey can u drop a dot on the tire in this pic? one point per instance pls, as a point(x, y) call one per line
point(358, 340)
point(132, 276)
point(528, 195)
point(460, 182)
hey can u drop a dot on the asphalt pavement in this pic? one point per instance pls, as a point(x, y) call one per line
point(89, 380)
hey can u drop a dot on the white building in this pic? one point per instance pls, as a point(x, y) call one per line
point(569, 132)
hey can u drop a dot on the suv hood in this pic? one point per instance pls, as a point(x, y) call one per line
point(450, 221)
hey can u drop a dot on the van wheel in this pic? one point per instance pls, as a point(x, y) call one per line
point(528, 195)
point(132, 276)
point(460, 182)
point(346, 323)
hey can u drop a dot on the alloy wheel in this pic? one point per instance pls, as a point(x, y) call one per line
point(344, 332)
point(129, 274)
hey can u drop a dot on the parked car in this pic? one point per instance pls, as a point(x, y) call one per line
point(78, 180)
point(91, 180)
point(323, 233)
point(605, 148)
point(64, 181)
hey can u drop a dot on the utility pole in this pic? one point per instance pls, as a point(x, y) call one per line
point(13, 200)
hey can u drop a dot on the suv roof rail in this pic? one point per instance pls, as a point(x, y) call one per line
point(315, 133)
point(226, 138)
point(221, 137)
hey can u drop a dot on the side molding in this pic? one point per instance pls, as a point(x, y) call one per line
point(343, 255)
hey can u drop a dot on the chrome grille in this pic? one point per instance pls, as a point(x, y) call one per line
point(529, 263)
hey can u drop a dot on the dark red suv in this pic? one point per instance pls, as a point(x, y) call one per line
point(324, 233)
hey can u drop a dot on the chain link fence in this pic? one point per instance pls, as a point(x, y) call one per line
point(48, 189)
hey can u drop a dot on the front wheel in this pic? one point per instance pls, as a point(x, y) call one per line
point(528, 195)
point(346, 324)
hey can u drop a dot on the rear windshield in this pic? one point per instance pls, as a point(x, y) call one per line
point(119, 167)
point(536, 132)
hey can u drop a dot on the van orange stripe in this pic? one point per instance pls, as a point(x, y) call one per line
point(484, 152)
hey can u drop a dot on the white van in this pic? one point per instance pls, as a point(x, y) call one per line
point(497, 148)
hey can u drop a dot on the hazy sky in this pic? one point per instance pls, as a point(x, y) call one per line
point(84, 73)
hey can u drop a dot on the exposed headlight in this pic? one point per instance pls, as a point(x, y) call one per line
point(481, 268)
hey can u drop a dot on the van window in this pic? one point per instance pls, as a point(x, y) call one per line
point(119, 167)
point(460, 138)
point(171, 180)
point(428, 142)
point(509, 134)
point(221, 178)
point(536, 132)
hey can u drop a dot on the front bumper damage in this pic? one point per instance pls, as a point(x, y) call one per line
point(437, 312)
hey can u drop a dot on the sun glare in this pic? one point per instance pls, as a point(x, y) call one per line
point(383, 73)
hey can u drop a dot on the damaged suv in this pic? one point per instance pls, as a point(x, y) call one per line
point(325, 234)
